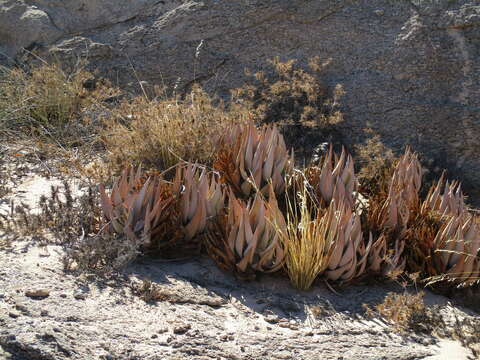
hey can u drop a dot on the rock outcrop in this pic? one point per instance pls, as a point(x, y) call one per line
point(410, 68)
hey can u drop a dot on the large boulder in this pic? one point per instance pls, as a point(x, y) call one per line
point(410, 68)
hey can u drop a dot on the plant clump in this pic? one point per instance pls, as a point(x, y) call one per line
point(251, 160)
point(228, 186)
point(292, 95)
point(258, 214)
point(247, 238)
point(48, 102)
point(160, 133)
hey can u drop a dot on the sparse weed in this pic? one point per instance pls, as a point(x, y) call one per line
point(407, 312)
point(61, 215)
point(376, 163)
point(100, 253)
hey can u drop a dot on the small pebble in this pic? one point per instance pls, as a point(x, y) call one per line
point(22, 307)
point(37, 293)
point(13, 314)
point(180, 328)
point(162, 330)
point(272, 319)
point(80, 295)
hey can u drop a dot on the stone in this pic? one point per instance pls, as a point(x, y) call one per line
point(80, 295)
point(409, 68)
point(181, 328)
point(39, 293)
point(14, 314)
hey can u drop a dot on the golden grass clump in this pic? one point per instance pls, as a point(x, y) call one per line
point(47, 102)
point(160, 133)
point(308, 241)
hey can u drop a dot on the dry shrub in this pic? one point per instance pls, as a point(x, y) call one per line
point(5, 174)
point(75, 222)
point(376, 164)
point(407, 312)
point(295, 98)
point(291, 95)
point(100, 253)
point(421, 231)
point(160, 133)
point(48, 102)
point(61, 214)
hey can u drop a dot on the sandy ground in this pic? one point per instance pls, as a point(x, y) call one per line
point(202, 314)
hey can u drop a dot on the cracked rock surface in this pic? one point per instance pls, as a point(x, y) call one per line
point(410, 68)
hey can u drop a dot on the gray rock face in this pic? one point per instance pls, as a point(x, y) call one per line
point(410, 68)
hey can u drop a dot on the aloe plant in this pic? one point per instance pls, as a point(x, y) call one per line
point(388, 217)
point(251, 159)
point(139, 208)
point(456, 249)
point(348, 259)
point(335, 179)
point(200, 195)
point(247, 238)
point(451, 202)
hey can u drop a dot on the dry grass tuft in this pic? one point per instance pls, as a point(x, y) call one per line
point(48, 103)
point(161, 133)
point(306, 240)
